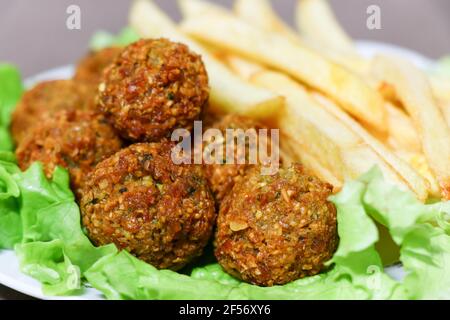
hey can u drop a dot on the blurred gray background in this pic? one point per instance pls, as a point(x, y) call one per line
point(33, 33)
point(34, 36)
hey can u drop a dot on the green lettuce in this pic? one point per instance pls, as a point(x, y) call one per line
point(103, 39)
point(43, 224)
point(442, 67)
point(10, 220)
point(10, 92)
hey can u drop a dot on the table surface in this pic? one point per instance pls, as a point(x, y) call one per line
point(9, 294)
point(34, 36)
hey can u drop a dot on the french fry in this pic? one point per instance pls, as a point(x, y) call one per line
point(228, 92)
point(318, 25)
point(402, 134)
point(306, 129)
point(414, 91)
point(261, 14)
point(242, 67)
point(387, 91)
point(289, 144)
point(334, 139)
point(289, 150)
point(417, 161)
point(290, 147)
point(441, 91)
point(415, 181)
point(445, 107)
point(349, 90)
point(440, 87)
point(320, 29)
point(401, 130)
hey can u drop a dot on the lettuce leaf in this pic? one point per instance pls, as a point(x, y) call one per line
point(53, 239)
point(442, 68)
point(10, 220)
point(40, 218)
point(423, 233)
point(103, 39)
point(10, 92)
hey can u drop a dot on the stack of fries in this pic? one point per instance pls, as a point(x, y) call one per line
point(339, 113)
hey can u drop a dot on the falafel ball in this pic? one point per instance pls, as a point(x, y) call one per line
point(153, 87)
point(275, 229)
point(90, 68)
point(73, 139)
point(141, 201)
point(222, 176)
point(49, 97)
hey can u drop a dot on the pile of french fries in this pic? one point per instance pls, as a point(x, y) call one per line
point(339, 113)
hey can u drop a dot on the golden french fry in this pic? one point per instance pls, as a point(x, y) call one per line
point(401, 130)
point(334, 139)
point(289, 150)
point(387, 91)
point(441, 91)
point(414, 91)
point(290, 146)
point(243, 67)
point(402, 134)
point(318, 25)
point(419, 163)
point(261, 14)
point(445, 107)
point(415, 181)
point(228, 92)
point(348, 89)
point(441, 87)
point(320, 29)
point(306, 128)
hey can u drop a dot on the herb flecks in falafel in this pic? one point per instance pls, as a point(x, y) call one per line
point(153, 87)
point(222, 175)
point(73, 139)
point(158, 211)
point(47, 98)
point(272, 230)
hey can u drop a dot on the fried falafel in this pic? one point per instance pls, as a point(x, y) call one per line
point(49, 97)
point(222, 176)
point(74, 139)
point(141, 201)
point(153, 87)
point(91, 67)
point(272, 230)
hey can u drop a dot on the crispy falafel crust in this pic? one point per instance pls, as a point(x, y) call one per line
point(153, 87)
point(275, 229)
point(222, 177)
point(91, 67)
point(46, 98)
point(158, 211)
point(73, 139)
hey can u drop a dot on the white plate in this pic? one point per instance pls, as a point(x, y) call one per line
point(10, 274)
